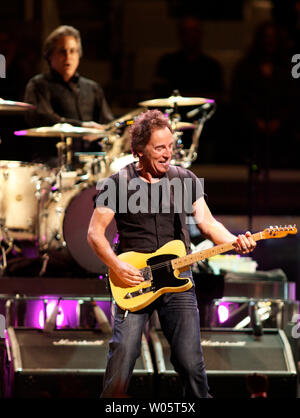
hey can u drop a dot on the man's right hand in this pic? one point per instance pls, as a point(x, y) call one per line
point(128, 274)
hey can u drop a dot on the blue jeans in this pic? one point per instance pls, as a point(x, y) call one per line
point(179, 318)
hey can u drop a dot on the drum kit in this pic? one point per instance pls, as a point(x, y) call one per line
point(51, 208)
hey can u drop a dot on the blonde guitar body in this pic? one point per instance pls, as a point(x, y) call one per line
point(159, 279)
point(161, 269)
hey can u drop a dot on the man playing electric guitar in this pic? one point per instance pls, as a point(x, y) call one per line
point(148, 218)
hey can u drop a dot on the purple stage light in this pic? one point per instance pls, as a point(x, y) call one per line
point(49, 309)
point(68, 316)
point(20, 133)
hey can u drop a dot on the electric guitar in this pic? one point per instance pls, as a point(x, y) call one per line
point(162, 268)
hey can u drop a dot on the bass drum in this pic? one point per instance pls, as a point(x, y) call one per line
point(20, 184)
point(64, 224)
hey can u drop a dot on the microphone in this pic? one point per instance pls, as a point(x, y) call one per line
point(205, 107)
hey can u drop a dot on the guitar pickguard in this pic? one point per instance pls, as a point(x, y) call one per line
point(160, 274)
point(163, 276)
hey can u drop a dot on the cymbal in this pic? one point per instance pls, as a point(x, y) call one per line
point(8, 106)
point(173, 101)
point(61, 130)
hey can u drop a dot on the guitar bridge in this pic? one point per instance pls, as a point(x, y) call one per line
point(139, 292)
point(147, 274)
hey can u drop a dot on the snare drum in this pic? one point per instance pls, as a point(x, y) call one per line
point(22, 185)
point(94, 165)
point(64, 223)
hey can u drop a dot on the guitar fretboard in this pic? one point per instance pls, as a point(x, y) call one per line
point(188, 260)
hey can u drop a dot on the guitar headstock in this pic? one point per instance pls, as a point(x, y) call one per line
point(279, 231)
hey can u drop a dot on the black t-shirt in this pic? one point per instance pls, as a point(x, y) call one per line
point(57, 101)
point(147, 214)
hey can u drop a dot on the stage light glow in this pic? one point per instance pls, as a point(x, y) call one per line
point(41, 319)
point(49, 309)
point(223, 313)
point(60, 316)
point(68, 316)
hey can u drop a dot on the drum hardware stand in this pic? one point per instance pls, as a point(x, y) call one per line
point(60, 146)
point(64, 150)
point(69, 152)
point(10, 246)
point(45, 258)
point(93, 163)
point(44, 248)
point(112, 146)
point(65, 159)
point(4, 261)
point(178, 151)
point(193, 151)
point(188, 156)
point(38, 196)
point(206, 110)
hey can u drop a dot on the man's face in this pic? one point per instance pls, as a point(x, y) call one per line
point(65, 57)
point(158, 152)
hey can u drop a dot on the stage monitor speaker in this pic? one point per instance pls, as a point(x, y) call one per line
point(230, 356)
point(68, 363)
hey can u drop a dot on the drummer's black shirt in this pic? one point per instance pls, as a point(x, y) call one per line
point(145, 230)
point(57, 101)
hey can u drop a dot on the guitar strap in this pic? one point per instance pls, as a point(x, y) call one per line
point(174, 171)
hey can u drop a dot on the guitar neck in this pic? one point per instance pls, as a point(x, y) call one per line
point(188, 260)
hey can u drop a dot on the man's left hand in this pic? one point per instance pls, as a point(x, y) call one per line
point(244, 243)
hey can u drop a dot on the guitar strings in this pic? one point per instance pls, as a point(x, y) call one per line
point(158, 265)
point(256, 237)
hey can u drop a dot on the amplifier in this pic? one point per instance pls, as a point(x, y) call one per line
point(230, 357)
point(68, 363)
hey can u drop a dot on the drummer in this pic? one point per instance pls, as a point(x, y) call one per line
point(62, 95)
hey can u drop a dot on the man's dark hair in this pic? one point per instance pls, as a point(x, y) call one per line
point(143, 127)
point(58, 33)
